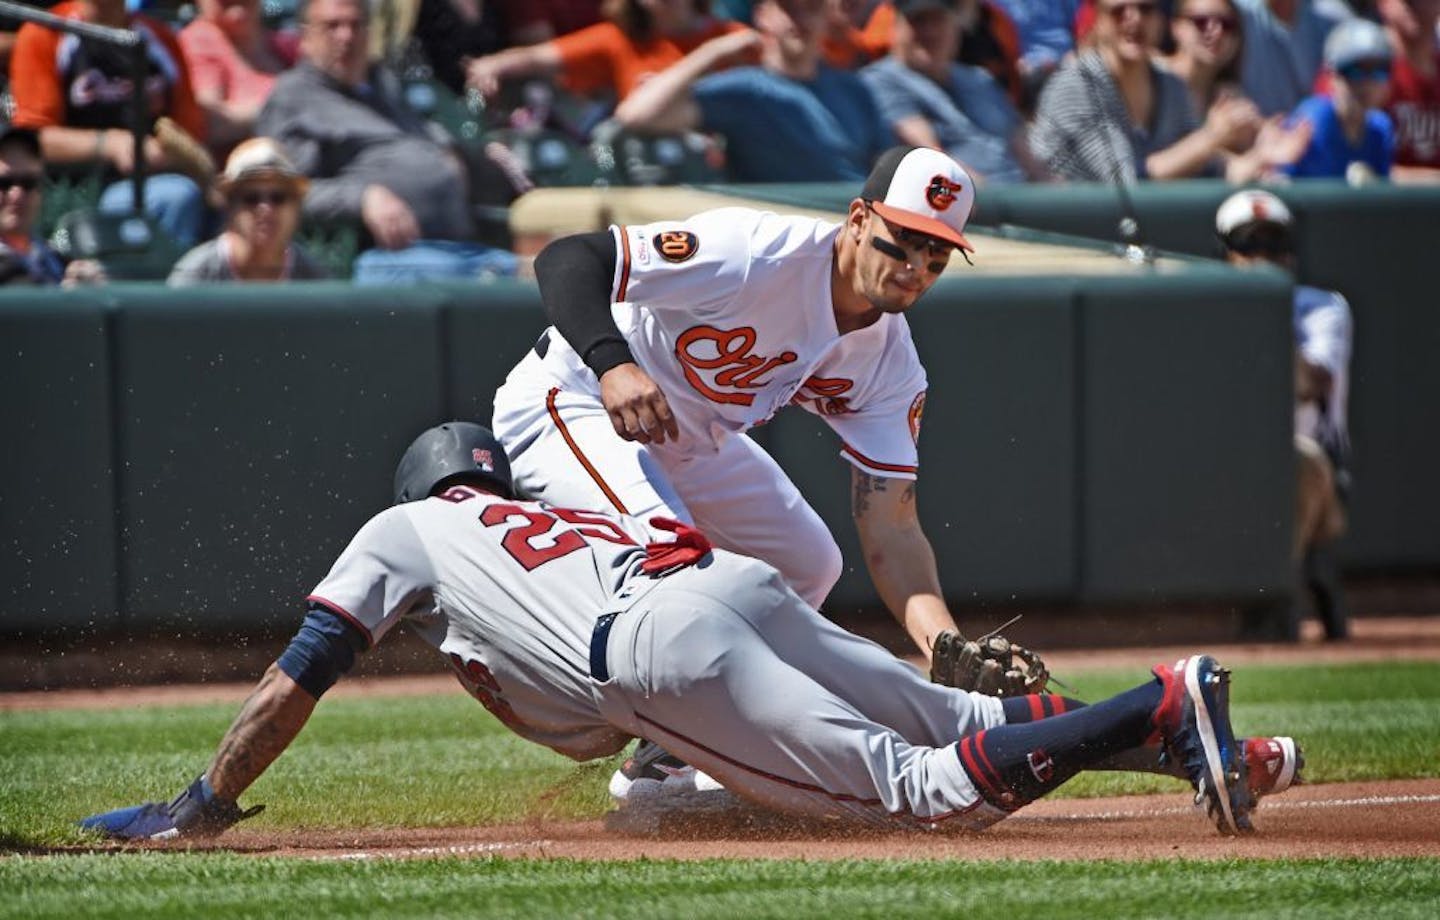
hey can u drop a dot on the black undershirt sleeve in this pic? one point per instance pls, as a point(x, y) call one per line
point(575, 273)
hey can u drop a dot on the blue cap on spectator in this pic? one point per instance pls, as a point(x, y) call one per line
point(1354, 41)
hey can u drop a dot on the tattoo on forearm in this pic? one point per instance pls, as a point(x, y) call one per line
point(266, 725)
point(864, 486)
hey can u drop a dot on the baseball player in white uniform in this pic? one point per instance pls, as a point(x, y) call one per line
point(578, 631)
point(671, 340)
point(1256, 228)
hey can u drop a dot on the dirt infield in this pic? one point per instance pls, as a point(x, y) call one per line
point(1338, 820)
point(1370, 819)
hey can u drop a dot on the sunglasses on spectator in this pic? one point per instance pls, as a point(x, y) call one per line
point(1204, 22)
point(1366, 70)
point(24, 183)
point(1259, 239)
point(253, 198)
point(1142, 8)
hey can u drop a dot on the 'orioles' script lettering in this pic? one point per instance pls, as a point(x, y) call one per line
point(826, 393)
point(727, 351)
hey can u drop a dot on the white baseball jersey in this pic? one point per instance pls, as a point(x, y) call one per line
point(730, 312)
point(1323, 333)
point(720, 662)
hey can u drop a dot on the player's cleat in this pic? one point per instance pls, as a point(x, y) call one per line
point(1194, 721)
point(651, 771)
point(1272, 765)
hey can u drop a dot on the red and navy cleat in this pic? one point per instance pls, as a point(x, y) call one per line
point(1194, 722)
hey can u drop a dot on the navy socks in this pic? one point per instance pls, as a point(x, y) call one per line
point(1048, 739)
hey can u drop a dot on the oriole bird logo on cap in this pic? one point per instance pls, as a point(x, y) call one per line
point(941, 192)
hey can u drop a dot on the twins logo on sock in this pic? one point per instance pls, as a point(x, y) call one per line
point(1040, 764)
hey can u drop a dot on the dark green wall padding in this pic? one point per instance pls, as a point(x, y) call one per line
point(191, 461)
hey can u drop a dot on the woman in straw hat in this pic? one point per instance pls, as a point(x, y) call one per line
point(262, 191)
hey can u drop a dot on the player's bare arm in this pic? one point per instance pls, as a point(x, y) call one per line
point(271, 718)
point(899, 556)
point(575, 274)
point(663, 104)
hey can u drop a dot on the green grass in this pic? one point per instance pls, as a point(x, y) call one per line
point(221, 885)
point(387, 762)
point(442, 760)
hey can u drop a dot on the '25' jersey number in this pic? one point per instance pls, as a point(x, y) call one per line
point(537, 525)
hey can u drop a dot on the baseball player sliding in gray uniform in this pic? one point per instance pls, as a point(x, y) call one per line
point(579, 631)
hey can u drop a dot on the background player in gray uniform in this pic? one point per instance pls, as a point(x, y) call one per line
point(578, 636)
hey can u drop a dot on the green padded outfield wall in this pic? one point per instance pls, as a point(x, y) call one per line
point(255, 427)
point(58, 520)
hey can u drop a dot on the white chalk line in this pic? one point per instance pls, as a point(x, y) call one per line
point(460, 849)
point(1269, 804)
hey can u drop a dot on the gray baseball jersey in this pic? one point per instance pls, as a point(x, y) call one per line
point(720, 662)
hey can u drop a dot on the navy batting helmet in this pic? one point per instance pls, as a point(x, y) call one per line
point(453, 450)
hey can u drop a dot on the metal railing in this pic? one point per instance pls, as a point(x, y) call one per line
point(133, 44)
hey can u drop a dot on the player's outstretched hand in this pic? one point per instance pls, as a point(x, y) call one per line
point(196, 812)
point(638, 409)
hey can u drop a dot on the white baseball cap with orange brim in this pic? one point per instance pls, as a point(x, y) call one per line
point(923, 190)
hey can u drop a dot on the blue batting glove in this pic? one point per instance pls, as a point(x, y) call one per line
point(196, 812)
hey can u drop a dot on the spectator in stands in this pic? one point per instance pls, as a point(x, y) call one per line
point(532, 21)
point(791, 119)
point(1284, 49)
point(1112, 115)
point(262, 191)
point(1256, 228)
point(1047, 37)
point(989, 39)
point(1353, 137)
point(1209, 36)
point(233, 61)
point(1208, 41)
point(856, 33)
point(930, 100)
point(24, 258)
point(641, 38)
point(372, 160)
point(1414, 104)
point(77, 94)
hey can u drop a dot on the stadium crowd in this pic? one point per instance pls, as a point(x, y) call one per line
point(408, 126)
